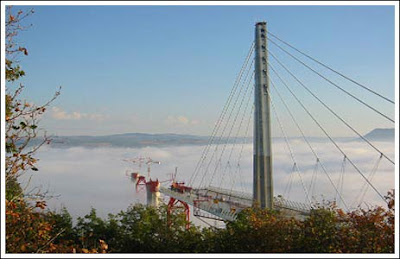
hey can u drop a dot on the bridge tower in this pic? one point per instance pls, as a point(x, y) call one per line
point(262, 158)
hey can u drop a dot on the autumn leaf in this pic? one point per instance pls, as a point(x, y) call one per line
point(24, 50)
point(41, 204)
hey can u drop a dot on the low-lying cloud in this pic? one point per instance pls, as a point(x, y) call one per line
point(85, 177)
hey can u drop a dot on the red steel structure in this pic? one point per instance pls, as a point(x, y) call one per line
point(175, 204)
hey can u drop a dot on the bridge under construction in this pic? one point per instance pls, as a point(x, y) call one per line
point(215, 202)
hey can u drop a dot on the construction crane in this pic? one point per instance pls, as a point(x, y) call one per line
point(149, 162)
point(142, 160)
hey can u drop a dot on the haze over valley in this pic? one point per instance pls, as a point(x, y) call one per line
point(84, 172)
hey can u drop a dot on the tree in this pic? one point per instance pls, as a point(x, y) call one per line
point(29, 229)
point(21, 116)
point(262, 231)
point(327, 229)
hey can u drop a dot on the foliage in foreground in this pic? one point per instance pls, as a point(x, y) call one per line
point(28, 228)
point(142, 229)
point(327, 230)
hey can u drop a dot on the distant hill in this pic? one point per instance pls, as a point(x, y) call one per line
point(136, 140)
point(139, 140)
point(128, 140)
point(380, 135)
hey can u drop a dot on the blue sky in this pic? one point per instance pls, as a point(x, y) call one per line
point(159, 69)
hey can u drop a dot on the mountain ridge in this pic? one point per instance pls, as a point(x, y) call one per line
point(139, 140)
point(380, 134)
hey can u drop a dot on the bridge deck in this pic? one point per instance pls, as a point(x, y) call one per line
point(226, 204)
